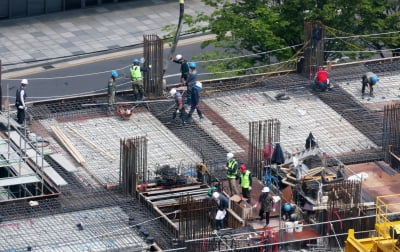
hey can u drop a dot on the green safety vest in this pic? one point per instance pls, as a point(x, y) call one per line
point(136, 74)
point(245, 179)
point(231, 174)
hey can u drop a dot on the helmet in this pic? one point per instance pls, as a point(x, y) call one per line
point(242, 167)
point(374, 79)
point(265, 189)
point(215, 195)
point(178, 57)
point(198, 83)
point(114, 73)
point(287, 207)
point(211, 191)
point(136, 61)
point(192, 65)
point(229, 155)
point(24, 81)
point(172, 92)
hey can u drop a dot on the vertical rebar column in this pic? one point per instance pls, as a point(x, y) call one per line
point(153, 55)
point(133, 164)
point(260, 134)
point(391, 135)
point(314, 47)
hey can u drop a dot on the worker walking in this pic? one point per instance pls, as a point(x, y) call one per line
point(184, 67)
point(232, 172)
point(112, 87)
point(195, 101)
point(222, 205)
point(369, 79)
point(245, 182)
point(179, 109)
point(321, 80)
point(191, 82)
point(137, 79)
point(266, 202)
point(20, 102)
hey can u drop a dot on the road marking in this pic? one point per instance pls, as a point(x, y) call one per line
point(78, 62)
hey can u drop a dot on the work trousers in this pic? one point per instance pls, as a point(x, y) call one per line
point(233, 186)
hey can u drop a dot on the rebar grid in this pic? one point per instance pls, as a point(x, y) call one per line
point(101, 229)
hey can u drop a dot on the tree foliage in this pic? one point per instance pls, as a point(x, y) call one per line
point(259, 26)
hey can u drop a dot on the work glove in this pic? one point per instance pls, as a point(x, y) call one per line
point(249, 188)
point(149, 66)
point(177, 111)
point(196, 107)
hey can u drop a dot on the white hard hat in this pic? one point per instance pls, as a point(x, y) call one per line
point(24, 81)
point(178, 57)
point(215, 195)
point(198, 83)
point(265, 189)
point(229, 155)
point(172, 92)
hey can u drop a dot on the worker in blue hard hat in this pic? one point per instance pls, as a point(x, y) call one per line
point(137, 79)
point(369, 79)
point(112, 87)
point(190, 82)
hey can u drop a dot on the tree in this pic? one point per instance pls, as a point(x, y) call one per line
point(260, 26)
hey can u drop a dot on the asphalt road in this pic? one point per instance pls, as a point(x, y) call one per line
point(91, 76)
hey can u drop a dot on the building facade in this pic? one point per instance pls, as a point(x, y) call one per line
point(24, 8)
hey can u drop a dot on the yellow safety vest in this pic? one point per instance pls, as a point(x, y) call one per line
point(136, 74)
point(245, 179)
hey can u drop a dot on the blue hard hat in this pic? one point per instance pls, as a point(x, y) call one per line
point(287, 207)
point(192, 65)
point(136, 61)
point(374, 79)
point(114, 73)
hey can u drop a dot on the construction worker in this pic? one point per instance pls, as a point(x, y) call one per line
point(184, 67)
point(191, 82)
point(266, 202)
point(321, 80)
point(222, 205)
point(245, 182)
point(369, 79)
point(232, 172)
point(137, 79)
point(195, 101)
point(179, 109)
point(20, 102)
point(112, 87)
point(202, 173)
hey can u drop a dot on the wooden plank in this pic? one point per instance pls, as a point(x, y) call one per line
point(19, 180)
point(65, 163)
point(54, 176)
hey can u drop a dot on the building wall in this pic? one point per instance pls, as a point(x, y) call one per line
point(24, 8)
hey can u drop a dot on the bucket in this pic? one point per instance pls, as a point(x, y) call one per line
point(289, 226)
point(298, 226)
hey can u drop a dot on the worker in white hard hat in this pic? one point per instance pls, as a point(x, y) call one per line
point(222, 205)
point(266, 201)
point(179, 109)
point(232, 172)
point(20, 101)
point(184, 67)
point(195, 101)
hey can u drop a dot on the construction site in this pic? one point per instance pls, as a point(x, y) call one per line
point(79, 177)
